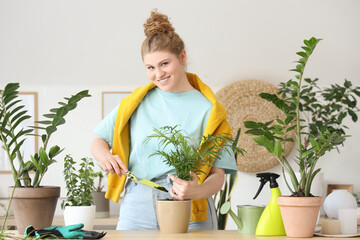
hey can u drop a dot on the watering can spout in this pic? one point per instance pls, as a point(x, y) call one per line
point(226, 208)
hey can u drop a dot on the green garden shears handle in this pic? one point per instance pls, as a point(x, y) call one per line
point(144, 181)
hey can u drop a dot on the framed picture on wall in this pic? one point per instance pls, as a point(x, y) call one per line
point(30, 101)
point(110, 100)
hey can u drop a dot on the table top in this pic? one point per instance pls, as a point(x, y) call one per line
point(195, 235)
point(192, 235)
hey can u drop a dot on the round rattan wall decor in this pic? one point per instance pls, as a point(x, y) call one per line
point(243, 103)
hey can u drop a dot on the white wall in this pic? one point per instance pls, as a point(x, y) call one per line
point(60, 47)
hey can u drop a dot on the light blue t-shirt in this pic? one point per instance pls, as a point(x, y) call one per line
point(189, 110)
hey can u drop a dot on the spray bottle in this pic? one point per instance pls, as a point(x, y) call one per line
point(270, 222)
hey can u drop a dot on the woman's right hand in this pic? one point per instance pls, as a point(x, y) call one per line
point(113, 164)
point(100, 149)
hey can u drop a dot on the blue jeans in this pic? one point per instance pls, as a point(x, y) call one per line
point(138, 208)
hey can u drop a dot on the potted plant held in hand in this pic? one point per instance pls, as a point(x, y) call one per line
point(79, 206)
point(178, 152)
point(316, 115)
point(33, 204)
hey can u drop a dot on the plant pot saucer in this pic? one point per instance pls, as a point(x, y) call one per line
point(318, 233)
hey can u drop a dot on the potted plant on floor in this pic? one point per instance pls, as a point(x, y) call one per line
point(102, 204)
point(27, 202)
point(321, 131)
point(185, 158)
point(79, 206)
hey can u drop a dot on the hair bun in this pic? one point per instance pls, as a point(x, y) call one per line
point(157, 23)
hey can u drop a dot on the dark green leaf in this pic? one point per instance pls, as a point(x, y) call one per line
point(50, 130)
point(353, 115)
point(44, 157)
point(251, 124)
point(255, 132)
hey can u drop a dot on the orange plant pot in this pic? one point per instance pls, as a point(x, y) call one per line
point(299, 215)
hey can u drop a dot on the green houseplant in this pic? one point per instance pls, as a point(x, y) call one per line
point(224, 194)
point(316, 115)
point(78, 205)
point(102, 204)
point(12, 115)
point(185, 157)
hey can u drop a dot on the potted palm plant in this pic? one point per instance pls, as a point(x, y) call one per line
point(28, 197)
point(316, 115)
point(79, 205)
point(185, 158)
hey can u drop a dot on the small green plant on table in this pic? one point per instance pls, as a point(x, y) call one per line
point(79, 182)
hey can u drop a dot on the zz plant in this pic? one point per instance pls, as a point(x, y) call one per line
point(12, 137)
point(184, 156)
point(315, 114)
point(79, 182)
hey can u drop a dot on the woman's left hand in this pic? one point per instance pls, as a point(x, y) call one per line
point(182, 189)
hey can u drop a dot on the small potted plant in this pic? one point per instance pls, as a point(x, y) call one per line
point(185, 158)
point(30, 198)
point(79, 206)
point(102, 204)
point(316, 115)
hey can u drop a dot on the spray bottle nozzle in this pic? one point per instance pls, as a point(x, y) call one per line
point(264, 178)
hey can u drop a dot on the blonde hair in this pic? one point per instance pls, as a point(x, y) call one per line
point(160, 35)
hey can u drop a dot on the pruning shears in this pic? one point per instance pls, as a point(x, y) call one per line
point(143, 181)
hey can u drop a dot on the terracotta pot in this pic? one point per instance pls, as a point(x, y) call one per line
point(34, 206)
point(102, 205)
point(299, 215)
point(173, 216)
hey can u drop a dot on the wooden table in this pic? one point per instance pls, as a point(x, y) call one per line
point(193, 235)
point(100, 223)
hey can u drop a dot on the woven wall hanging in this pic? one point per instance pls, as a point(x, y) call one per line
point(243, 103)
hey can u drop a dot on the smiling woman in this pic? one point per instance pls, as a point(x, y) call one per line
point(167, 71)
point(172, 98)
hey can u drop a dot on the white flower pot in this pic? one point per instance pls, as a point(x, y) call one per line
point(80, 214)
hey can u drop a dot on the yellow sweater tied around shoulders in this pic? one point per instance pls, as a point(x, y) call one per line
point(217, 124)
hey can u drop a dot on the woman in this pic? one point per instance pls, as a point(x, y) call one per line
point(173, 97)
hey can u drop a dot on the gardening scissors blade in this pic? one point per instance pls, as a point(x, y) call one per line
point(145, 182)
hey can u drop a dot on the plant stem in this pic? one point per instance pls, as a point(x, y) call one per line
point(298, 129)
point(8, 209)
